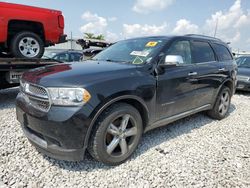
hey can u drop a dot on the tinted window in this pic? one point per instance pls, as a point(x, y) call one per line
point(76, 56)
point(62, 57)
point(222, 52)
point(183, 49)
point(202, 52)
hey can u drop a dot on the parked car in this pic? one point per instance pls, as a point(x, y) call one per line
point(243, 75)
point(91, 52)
point(25, 31)
point(68, 56)
point(105, 104)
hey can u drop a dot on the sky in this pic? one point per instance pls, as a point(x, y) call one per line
point(121, 19)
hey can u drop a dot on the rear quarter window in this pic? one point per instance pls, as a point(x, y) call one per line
point(222, 52)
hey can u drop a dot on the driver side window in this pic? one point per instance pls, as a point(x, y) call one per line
point(183, 49)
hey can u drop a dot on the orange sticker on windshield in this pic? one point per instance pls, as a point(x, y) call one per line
point(151, 44)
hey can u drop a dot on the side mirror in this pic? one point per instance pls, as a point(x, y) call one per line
point(173, 60)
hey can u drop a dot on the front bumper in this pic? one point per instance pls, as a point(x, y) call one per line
point(60, 133)
point(243, 85)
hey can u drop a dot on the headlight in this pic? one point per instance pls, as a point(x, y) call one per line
point(69, 96)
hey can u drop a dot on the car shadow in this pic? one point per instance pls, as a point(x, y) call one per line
point(162, 134)
point(8, 98)
point(245, 93)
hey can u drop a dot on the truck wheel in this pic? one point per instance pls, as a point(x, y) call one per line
point(222, 104)
point(116, 134)
point(27, 45)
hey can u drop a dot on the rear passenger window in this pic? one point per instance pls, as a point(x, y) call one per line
point(202, 52)
point(222, 52)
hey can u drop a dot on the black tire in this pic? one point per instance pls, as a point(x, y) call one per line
point(217, 112)
point(100, 140)
point(35, 46)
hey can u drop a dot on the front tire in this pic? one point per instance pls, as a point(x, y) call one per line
point(222, 104)
point(27, 45)
point(116, 134)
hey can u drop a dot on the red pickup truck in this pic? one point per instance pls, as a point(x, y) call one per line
point(25, 30)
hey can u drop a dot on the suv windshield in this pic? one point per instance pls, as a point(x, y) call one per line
point(134, 51)
point(243, 62)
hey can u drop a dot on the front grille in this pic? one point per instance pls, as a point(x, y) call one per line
point(43, 105)
point(37, 91)
point(243, 78)
point(36, 96)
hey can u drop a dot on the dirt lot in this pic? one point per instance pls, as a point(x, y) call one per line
point(194, 152)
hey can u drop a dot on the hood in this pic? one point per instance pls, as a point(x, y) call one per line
point(78, 73)
point(244, 71)
point(27, 8)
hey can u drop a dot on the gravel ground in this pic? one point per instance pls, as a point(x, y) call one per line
point(193, 152)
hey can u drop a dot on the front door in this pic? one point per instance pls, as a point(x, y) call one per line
point(176, 90)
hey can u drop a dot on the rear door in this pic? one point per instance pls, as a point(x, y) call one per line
point(225, 59)
point(176, 90)
point(208, 73)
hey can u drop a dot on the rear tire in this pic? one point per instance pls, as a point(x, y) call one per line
point(222, 104)
point(116, 134)
point(27, 45)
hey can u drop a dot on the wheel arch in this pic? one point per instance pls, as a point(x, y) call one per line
point(134, 101)
point(16, 26)
point(228, 83)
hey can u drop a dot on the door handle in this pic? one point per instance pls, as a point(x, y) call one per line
point(192, 74)
point(222, 69)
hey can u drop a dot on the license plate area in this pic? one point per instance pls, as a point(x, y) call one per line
point(14, 77)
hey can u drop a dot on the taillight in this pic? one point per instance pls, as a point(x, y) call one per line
point(61, 21)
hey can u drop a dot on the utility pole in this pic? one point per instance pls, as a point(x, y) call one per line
point(216, 27)
point(71, 40)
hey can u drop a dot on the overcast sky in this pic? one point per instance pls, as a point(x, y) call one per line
point(118, 19)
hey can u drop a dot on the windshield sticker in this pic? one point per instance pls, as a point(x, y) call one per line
point(140, 53)
point(137, 60)
point(151, 44)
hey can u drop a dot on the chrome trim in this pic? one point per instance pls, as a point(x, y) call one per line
point(192, 74)
point(243, 78)
point(222, 69)
point(37, 95)
point(173, 118)
point(34, 96)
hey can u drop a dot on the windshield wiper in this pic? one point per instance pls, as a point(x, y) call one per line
point(111, 60)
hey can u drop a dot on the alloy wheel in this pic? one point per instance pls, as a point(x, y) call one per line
point(120, 135)
point(29, 47)
point(224, 103)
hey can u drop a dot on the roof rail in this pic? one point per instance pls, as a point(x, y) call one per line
point(203, 36)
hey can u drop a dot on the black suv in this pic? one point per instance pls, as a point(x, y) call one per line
point(105, 104)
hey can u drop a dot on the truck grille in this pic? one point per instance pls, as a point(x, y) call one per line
point(36, 96)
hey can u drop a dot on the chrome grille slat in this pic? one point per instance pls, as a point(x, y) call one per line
point(37, 91)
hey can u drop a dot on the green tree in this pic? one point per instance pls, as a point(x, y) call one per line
point(93, 36)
